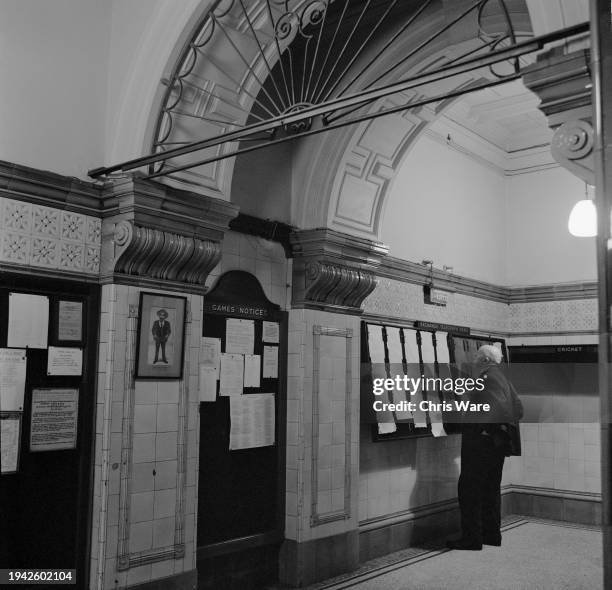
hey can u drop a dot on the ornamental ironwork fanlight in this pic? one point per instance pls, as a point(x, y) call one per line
point(258, 73)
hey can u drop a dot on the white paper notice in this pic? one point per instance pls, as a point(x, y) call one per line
point(252, 421)
point(252, 370)
point(270, 332)
point(70, 321)
point(270, 362)
point(54, 419)
point(208, 383)
point(12, 379)
point(64, 361)
point(437, 429)
point(28, 321)
point(211, 353)
point(232, 374)
point(9, 444)
point(386, 427)
point(239, 336)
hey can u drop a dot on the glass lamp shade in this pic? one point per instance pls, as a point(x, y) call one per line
point(582, 221)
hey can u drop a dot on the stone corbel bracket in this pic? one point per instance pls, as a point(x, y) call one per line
point(562, 81)
point(159, 236)
point(334, 271)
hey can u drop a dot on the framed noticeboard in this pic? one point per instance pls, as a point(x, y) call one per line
point(161, 336)
point(389, 350)
point(242, 418)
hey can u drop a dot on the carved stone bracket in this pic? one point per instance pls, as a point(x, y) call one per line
point(153, 234)
point(563, 83)
point(334, 271)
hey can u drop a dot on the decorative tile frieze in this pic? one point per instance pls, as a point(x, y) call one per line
point(45, 237)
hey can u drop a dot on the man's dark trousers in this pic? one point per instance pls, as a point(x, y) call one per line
point(479, 487)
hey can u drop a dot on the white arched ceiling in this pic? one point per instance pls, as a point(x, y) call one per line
point(339, 178)
point(551, 15)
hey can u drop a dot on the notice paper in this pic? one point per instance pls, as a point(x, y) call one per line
point(64, 361)
point(211, 353)
point(70, 321)
point(252, 421)
point(9, 443)
point(252, 370)
point(54, 419)
point(208, 383)
point(270, 362)
point(270, 332)
point(239, 336)
point(12, 379)
point(232, 374)
point(28, 323)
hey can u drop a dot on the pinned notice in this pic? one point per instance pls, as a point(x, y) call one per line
point(54, 419)
point(252, 421)
point(252, 370)
point(239, 336)
point(70, 321)
point(28, 323)
point(208, 383)
point(12, 379)
point(10, 427)
point(232, 374)
point(64, 361)
point(270, 362)
point(211, 353)
point(270, 332)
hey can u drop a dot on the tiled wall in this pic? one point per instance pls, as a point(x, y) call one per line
point(397, 477)
point(143, 427)
point(335, 461)
point(405, 301)
point(33, 235)
point(562, 449)
point(146, 471)
point(265, 259)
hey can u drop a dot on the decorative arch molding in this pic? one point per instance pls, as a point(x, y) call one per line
point(167, 30)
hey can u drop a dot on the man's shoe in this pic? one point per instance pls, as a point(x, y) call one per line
point(495, 541)
point(464, 544)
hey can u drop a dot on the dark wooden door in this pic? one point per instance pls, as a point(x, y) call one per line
point(46, 506)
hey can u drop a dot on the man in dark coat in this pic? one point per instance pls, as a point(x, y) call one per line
point(161, 332)
point(487, 438)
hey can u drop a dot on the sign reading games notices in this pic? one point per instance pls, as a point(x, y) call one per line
point(54, 419)
point(237, 310)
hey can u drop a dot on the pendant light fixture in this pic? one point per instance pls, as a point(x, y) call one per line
point(582, 221)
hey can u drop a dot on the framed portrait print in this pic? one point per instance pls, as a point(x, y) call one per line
point(161, 336)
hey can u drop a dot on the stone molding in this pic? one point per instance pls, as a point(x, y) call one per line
point(40, 187)
point(332, 270)
point(412, 272)
point(154, 233)
point(563, 83)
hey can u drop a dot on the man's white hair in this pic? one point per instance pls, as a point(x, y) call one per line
point(490, 352)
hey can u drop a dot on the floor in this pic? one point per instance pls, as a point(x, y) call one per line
point(536, 554)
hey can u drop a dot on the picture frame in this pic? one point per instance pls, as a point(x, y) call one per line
point(161, 336)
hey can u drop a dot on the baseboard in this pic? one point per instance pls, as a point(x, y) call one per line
point(393, 532)
point(305, 563)
point(184, 581)
point(565, 505)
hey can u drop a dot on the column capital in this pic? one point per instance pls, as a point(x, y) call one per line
point(156, 235)
point(562, 81)
point(334, 271)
